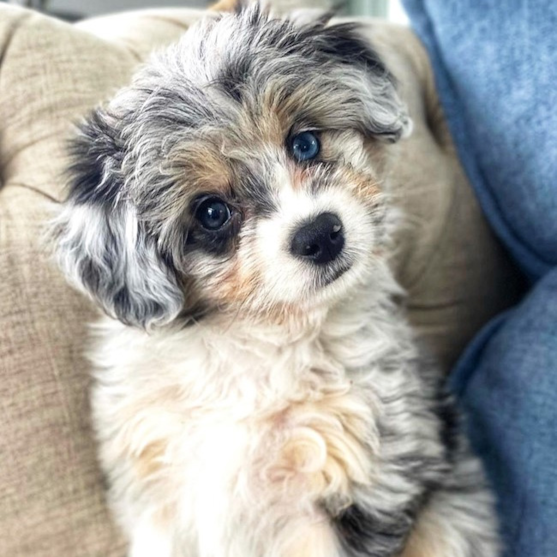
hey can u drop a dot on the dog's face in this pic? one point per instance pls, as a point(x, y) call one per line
point(236, 173)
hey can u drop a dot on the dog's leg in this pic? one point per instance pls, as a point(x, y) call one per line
point(150, 539)
point(458, 521)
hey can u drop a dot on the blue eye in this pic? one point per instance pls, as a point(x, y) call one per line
point(212, 213)
point(305, 146)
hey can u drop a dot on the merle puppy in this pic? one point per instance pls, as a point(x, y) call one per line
point(258, 392)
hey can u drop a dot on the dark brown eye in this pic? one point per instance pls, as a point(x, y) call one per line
point(212, 213)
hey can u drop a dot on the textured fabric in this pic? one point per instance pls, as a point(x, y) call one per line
point(51, 496)
point(496, 69)
point(508, 383)
point(51, 73)
point(496, 72)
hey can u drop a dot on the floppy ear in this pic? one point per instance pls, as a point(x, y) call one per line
point(101, 245)
point(382, 114)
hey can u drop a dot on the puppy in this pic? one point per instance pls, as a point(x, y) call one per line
point(258, 391)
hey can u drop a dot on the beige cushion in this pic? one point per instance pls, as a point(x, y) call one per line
point(51, 496)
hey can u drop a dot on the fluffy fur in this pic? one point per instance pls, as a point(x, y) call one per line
point(249, 403)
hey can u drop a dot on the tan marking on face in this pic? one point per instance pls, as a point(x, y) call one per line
point(257, 126)
point(276, 121)
point(288, 315)
point(208, 170)
point(237, 289)
point(363, 186)
point(196, 170)
point(295, 102)
point(236, 285)
point(271, 117)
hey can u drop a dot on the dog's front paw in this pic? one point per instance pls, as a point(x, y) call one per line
point(327, 447)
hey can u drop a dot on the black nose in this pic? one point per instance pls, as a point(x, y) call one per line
point(319, 241)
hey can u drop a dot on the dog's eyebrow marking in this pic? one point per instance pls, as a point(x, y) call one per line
point(233, 77)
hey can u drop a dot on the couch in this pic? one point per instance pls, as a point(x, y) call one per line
point(454, 270)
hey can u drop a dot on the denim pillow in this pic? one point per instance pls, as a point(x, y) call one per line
point(496, 70)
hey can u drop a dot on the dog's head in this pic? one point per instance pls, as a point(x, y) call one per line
point(237, 172)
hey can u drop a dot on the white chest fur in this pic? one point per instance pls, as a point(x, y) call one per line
point(220, 435)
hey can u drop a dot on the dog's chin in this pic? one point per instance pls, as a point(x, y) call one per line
point(331, 285)
point(329, 276)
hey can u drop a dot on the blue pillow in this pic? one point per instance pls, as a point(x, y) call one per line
point(495, 65)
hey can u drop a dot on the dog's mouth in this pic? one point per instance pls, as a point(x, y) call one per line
point(328, 276)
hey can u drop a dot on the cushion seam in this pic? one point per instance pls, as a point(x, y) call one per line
point(32, 189)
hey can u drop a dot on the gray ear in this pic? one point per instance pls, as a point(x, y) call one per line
point(380, 112)
point(101, 245)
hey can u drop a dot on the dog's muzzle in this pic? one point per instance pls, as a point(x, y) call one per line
point(319, 241)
